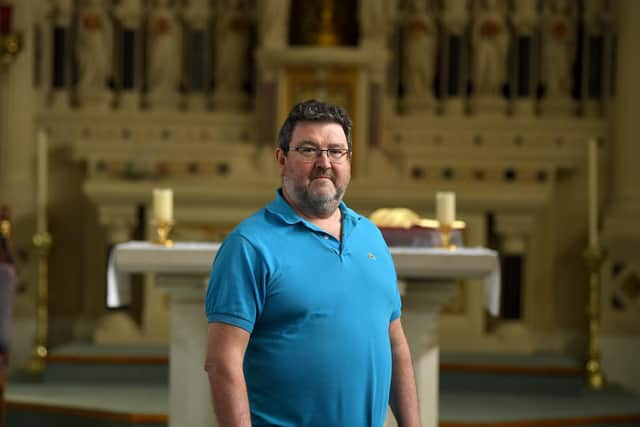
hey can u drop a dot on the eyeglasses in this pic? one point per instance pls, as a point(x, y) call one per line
point(310, 154)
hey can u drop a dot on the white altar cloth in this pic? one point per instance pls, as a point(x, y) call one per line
point(197, 258)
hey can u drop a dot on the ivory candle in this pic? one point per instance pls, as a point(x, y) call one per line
point(445, 207)
point(592, 197)
point(41, 181)
point(163, 204)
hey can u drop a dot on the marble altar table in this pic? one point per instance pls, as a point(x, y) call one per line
point(427, 279)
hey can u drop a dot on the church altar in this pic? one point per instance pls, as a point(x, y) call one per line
point(427, 278)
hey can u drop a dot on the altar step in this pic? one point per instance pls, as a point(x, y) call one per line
point(504, 373)
point(87, 363)
point(88, 385)
point(536, 390)
point(109, 386)
point(86, 405)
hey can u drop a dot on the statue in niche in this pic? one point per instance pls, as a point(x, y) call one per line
point(93, 54)
point(490, 42)
point(165, 56)
point(419, 52)
point(557, 49)
point(231, 54)
point(376, 22)
point(273, 19)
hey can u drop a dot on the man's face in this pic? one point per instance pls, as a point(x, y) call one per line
point(315, 187)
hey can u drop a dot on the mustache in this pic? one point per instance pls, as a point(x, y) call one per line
point(323, 173)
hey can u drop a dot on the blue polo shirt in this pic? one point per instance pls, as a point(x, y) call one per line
point(318, 311)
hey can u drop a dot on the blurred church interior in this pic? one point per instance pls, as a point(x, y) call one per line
point(101, 101)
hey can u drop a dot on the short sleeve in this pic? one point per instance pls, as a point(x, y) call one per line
point(237, 284)
point(397, 305)
point(396, 310)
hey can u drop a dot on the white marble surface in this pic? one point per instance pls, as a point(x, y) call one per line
point(197, 258)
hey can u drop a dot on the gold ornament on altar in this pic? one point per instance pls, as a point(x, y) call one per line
point(163, 229)
point(403, 220)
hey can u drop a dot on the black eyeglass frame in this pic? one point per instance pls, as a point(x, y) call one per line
point(310, 154)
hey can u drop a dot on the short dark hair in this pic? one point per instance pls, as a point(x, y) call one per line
point(313, 111)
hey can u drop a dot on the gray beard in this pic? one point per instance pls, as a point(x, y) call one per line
point(310, 205)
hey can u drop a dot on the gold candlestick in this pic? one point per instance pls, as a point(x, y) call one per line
point(163, 229)
point(38, 362)
point(594, 257)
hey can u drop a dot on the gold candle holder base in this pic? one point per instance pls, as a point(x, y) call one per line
point(37, 364)
point(163, 229)
point(594, 258)
point(445, 237)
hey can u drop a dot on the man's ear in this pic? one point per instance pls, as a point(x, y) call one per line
point(281, 158)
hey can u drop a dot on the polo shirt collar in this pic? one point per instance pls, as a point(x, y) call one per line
point(281, 208)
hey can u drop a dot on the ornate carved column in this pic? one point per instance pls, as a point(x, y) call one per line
point(128, 14)
point(198, 41)
point(454, 67)
point(524, 78)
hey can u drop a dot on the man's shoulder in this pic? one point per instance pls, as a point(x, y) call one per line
point(252, 225)
point(257, 227)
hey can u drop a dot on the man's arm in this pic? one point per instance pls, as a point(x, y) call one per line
point(403, 397)
point(225, 356)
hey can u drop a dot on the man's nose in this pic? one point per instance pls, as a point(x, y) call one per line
point(322, 160)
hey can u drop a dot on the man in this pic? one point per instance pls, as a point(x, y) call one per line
point(302, 304)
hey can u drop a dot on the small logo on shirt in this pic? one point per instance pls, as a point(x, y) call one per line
point(371, 256)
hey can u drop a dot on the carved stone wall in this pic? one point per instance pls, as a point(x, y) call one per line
point(519, 171)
